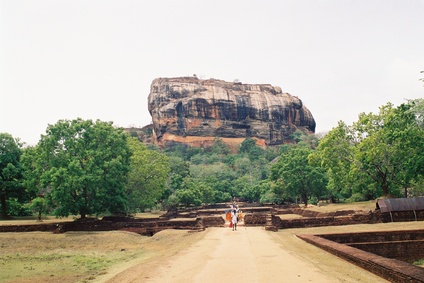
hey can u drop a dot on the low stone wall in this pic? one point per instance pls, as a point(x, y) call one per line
point(325, 221)
point(213, 221)
point(199, 219)
point(381, 236)
point(390, 269)
point(143, 227)
point(402, 245)
point(255, 219)
point(311, 213)
point(343, 217)
point(29, 228)
point(408, 251)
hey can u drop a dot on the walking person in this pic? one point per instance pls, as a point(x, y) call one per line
point(234, 219)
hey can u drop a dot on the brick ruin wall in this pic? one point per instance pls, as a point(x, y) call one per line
point(146, 227)
point(255, 219)
point(386, 261)
point(406, 246)
point(200, 219)
point(344, 217)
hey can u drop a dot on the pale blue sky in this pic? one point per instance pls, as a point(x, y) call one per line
point(96, 59)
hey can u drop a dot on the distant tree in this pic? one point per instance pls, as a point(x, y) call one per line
point(417, 188)
point(31, 172)
point(391, 150)
point(32, 183)
point(277, 192)
point(243, 186)
point(208, 193)
point(335, 153)
point(223, 189)
point(298, 177)
point(10, 170)
point(182, 151)
point(190, 192)
point(270, 197)
point(417, 109)
point(249, 147)
point(380, 154)
point(85, 166)
point(39, 206)
point(219, 147)
point(251, 193)
point(179, 169)
point(306, 138)
point(149, 171)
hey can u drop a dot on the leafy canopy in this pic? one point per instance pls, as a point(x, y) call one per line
point(10, 170)
point(294, 175)
point(149, 171)
point(84, 165)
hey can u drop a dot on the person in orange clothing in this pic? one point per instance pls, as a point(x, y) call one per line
point(228, 215)
point(240, 216)
point(228, 218)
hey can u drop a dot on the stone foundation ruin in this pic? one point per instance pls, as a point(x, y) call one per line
point(388, 254)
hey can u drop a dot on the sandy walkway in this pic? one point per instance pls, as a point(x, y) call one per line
point(246, 255)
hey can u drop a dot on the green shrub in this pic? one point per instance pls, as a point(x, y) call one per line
point(419, 262)
point(15, 208)
point(356, 197)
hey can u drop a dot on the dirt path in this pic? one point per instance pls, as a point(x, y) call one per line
point(246, 255)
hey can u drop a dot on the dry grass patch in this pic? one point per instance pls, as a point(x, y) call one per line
point(80, 256)
point(289, 216)
point(31, 220)
point(332, 207)
point(151, 214)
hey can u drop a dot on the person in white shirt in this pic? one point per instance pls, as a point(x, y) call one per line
point(234, 216)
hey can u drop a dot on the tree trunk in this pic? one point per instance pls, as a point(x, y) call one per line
point(3, 206)
point(83, 213)
point(384, 186)
point(305, 200)
point(385, 189)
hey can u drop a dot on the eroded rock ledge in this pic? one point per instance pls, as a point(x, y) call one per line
point(195, 111)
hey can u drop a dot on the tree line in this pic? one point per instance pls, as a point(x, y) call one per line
point(89, 168)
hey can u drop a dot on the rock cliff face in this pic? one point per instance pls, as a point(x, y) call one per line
point(194, 111)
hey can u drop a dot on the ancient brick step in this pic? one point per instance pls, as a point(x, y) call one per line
point(271, 228)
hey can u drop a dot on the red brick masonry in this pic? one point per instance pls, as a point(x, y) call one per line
point(391, 269)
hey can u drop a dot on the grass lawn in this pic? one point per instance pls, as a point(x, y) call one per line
point(81, 256)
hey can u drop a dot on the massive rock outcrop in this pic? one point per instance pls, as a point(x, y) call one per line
point(194, 111)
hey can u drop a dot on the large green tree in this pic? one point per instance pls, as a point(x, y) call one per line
point(10, 170)
point(179, 169)
point(147, 177)
point(84, 166)
point(391, 149)
point(335, 153)
point(380, 154)
point(296, 176)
